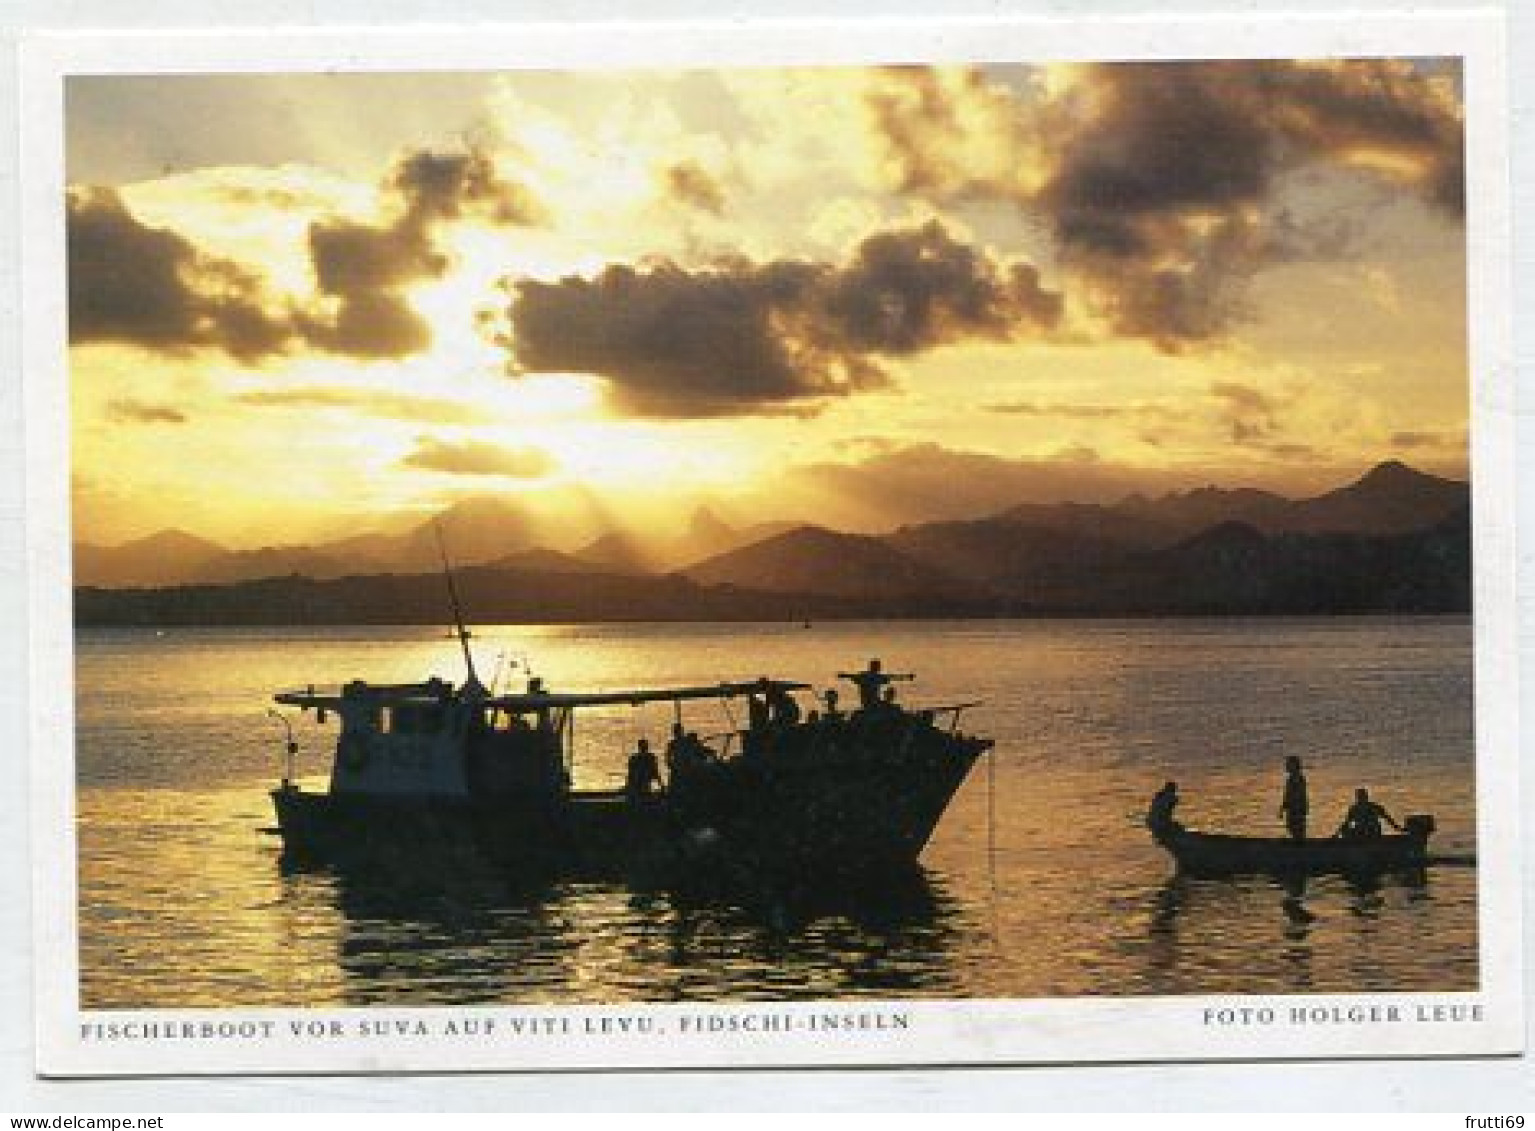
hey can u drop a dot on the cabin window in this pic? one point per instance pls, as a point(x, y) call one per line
point(412, 718)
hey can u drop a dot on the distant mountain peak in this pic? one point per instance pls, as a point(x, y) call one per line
point(1394, 473)
point(1233, 533)
point(172, 538)
point(706, 523)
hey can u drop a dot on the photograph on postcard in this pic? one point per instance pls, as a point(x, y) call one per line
point(735, 534)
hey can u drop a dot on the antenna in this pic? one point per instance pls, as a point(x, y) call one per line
point(458, 612)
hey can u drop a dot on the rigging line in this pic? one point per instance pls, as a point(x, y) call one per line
point(458, 613)
point(991, 841)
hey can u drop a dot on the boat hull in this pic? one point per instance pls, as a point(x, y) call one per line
point(1214, 855)
point(825, 814)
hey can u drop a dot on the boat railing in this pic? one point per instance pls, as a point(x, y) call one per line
point(311, 689)
point(954, 710)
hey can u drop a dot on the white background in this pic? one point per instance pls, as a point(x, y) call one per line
point(1479, 1087)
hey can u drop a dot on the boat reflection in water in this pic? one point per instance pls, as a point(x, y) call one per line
point(483, 935)
point(1302, 917)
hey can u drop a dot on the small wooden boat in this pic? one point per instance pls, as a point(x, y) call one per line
point(1216, 854)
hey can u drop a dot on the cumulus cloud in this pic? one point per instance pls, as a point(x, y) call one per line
point(1158, 179)
point(473, 457)
point(366, 402)
point(139, 285)
point(362, 268)
point(781, 336)
point(152, 287)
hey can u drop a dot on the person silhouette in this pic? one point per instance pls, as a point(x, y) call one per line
point(644, 774)
point(1364, 817)
point(870, 682)
point(1295, 805)
point(1159, 817)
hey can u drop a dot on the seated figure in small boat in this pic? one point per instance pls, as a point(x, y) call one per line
point(1363, 821)
point(1159, 817)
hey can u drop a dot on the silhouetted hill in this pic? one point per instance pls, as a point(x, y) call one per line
point(812, 559)
point(166, 557)
point(1390, 498)
point(1181, 514)
point(1119, 523)
point(1231, 569)
point(1394, 540)
point(706, 536)
point(1004, 556)
point(1236, 569)
point(490, 596)
point(617, 551)
point(272, 561)
point(540, 560)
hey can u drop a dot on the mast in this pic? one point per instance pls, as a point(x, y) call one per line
point(460, 630)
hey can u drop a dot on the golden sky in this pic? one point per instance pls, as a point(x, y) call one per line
point(304, 305)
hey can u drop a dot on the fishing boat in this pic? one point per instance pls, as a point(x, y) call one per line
point(431, 763)
point(1214, 854)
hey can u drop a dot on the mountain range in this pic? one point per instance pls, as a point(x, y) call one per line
point(1394, 540)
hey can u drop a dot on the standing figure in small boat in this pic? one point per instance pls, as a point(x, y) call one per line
point(1295, 805)
point(1364, 818)
point(1159, 817)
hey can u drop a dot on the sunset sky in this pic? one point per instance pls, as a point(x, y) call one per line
point(301, 306)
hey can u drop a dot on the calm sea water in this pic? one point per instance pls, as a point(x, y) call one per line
point(1041, 880)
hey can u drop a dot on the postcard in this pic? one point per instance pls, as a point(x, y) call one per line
point(811, 544)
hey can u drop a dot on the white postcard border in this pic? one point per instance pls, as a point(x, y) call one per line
point(926, 1032)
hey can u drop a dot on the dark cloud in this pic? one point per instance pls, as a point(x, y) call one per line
point(366, 402)
point(909, 290)
point(471, 457)
point(369, 323)
point(1158, 181)
point(146, 286)
point(1249, 413)
point(689, 183)
point(1362, 111)
point(782, 336)
point(125, 411)
point(151, 287)
point(447, 186)
point(362, 269)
